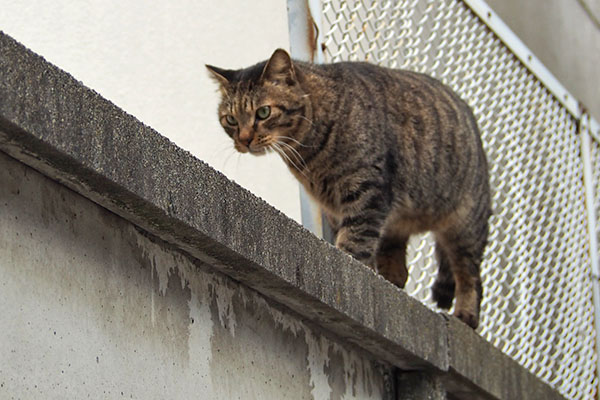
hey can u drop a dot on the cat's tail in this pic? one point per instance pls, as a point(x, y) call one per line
point(443, 287)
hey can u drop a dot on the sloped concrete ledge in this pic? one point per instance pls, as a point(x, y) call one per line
point(54, 124)
point(477, 365)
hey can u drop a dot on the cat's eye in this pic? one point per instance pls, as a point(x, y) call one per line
point(263, 112)
point(231, 120)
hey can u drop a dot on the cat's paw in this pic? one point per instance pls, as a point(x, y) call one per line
point(467, 317)
point(392, 268)
point(443, 294)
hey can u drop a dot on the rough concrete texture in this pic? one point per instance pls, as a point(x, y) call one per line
point(482, 370)
point(421, 386)
point(93, 308)
point(70, 134)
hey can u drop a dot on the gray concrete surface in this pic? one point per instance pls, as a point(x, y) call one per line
point(476, 375)
point(565, 36)
point(93, 308)
point(421, 386)
point(205, 226)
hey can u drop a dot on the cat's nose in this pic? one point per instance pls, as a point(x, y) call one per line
point(246, 137)
point(246, 141)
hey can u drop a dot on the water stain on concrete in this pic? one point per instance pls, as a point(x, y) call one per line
point(115, 301)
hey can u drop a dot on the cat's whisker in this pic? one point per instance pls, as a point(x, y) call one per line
point(295, 141)
point(237, 162)
point(287, 158)
point(282, 153)
point(229, 156)
point(309, 120)
point(295, 153)
point(222, 149)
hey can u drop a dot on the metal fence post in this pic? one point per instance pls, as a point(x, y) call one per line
point(588, 179)
point(304, 19)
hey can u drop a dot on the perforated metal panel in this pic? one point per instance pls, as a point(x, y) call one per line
point(537, 305)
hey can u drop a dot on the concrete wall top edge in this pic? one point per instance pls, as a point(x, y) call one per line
point(53, 123)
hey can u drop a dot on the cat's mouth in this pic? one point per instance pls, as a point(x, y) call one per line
point(258, 151)
point(252, 148)
point(267, 144)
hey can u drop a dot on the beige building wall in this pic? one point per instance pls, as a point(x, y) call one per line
point(565, 36)
point(148, 58)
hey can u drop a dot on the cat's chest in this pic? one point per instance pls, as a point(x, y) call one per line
point(317, 187)
point(326, 190)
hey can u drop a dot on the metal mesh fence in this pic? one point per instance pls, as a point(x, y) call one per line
point(537, 304)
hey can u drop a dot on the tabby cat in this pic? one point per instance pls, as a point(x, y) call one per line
point(386, 153)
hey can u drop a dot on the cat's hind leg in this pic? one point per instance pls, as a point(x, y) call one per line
point(464, 249)
point(443, 287)
point(391, 259)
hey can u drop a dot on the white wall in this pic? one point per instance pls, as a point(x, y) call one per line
point(148, 58)
point(565, 35)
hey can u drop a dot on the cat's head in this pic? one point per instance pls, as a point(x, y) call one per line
point(263, 106)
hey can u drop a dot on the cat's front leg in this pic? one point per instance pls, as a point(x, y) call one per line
point(334, 223)
point(359, 234)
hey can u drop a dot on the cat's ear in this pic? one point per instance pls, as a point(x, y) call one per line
point(279, 68)
point(219, 75)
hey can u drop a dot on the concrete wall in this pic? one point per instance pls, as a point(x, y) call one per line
point(94, 308)
point(149, 58)
point(565, 35)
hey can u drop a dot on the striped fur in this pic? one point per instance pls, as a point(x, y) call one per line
point(386, 153)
